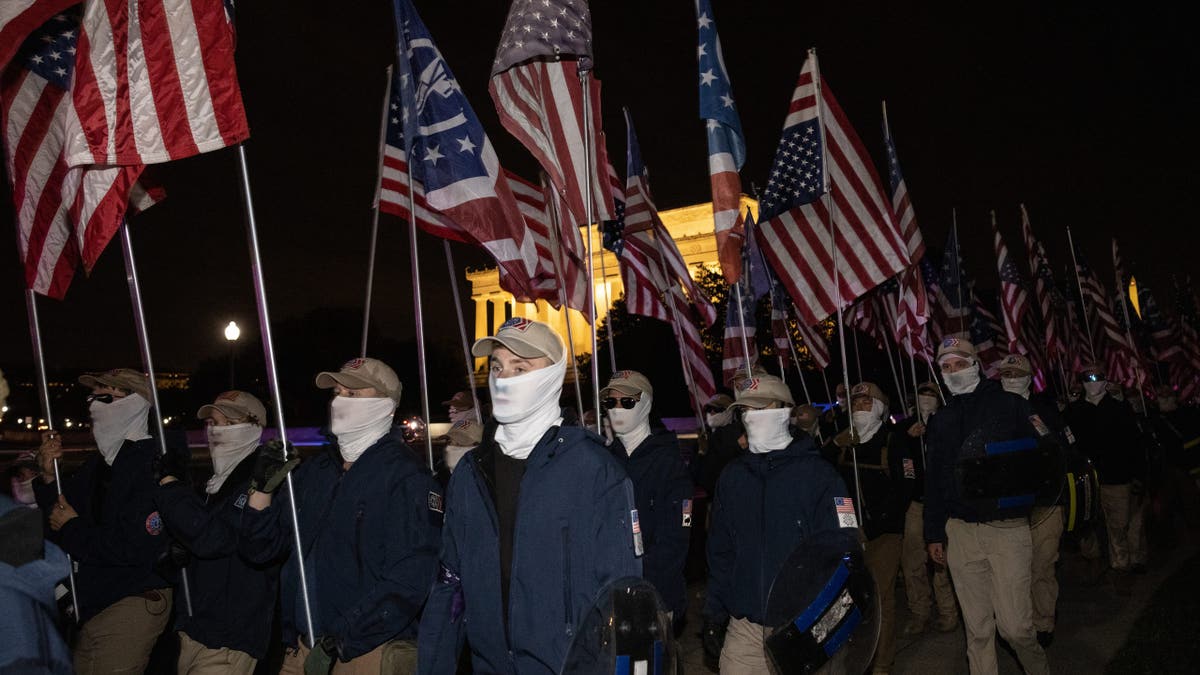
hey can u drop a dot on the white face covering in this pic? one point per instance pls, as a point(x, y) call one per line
point(1017, 385)
point(526, 406)
point(632, 426)
point(868, 422)
point(963, 381)
point(1168, 404)
point(1094, 391)
point(927, 405)
point(359, 422)
point(455, 453)
point(229, 445)
point(720, 419)
point(22, 491)
point(767, 430)
point(114, 423)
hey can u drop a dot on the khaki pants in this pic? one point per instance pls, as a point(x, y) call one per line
point(120, 638)
point(743, 651)
point(883, 560)
point(196, 659)
point(991, 566)
point(1046, 528)
point(913, 559)
point(1123, 531)
point(398, 657)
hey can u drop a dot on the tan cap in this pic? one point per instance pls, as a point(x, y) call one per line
point(628, 382)
point(461, 400)
point(363, 373)
point(930, 388)
point(237, 406)
point(871, 390)
point(808, 413)
point(721, 401)
point(953, 346)
point(759, 392)
point(527, 339)
point(120, 378)
point(465, 434)
point(1015, 362)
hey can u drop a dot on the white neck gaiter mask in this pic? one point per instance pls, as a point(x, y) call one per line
point(229, 445)
point(1017, 385)
point(926, 406)
point(526, 406)
point(767, 430)
point(1094, 391)
point(868, 422)
point(359, 422)
point(632, 426)
point(720, 419)
point(114, 423)
point(963, 381)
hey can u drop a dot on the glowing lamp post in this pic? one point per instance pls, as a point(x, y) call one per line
point(232, 333)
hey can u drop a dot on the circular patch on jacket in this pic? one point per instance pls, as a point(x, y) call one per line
point(154, 524)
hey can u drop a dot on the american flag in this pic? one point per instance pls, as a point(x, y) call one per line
point(535, 85)
point(1164, 338)
point(1050, 301)
point(1014, 297)
point(815, 342)
point(987, 334)
point(735, 360)
point(818, 152)
point(726, 145)
point(64, 214)
point(780, 330)
point(155, 81)
point(953, 291)
point(559, 266)
point(913, 309)
point(20, 18)
point(1108, 339)
point(457, 168)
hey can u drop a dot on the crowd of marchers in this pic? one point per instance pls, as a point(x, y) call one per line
point(371, 562)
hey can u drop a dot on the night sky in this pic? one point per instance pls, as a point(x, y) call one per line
point(1086, 115)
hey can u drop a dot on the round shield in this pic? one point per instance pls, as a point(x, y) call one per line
point(1081, 500)
point(1004, 481)
point(823, 610)
point(626, 630)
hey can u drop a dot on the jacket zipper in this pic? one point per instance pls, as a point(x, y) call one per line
point(358, 523)
point(568, 615)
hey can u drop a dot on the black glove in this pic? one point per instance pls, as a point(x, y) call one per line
point(177, 462)
point(320, 659)
point(170, 561)
point(271, 467)
point(712, 637)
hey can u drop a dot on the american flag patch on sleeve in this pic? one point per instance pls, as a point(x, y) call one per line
point(843, 507)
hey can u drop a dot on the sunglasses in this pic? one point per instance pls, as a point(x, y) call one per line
point(1093, 377)
point(102, 398)
point(626, 402)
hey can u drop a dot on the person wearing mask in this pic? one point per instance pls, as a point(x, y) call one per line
point(922, 596)
point(725, 441)
point(461, 406)
point(871, 459)
point(768, 502)
point(837, 417)
point(1178, 432)
point(233, 600)
point(807, 419)
point(20, 477)
point(540, 517)
point(107, 521)
point(463, 436)
point(1107, 433)
point(1045, 522)
point(370, 517)
point(989, 558)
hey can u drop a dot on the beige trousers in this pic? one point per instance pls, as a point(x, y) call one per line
point(913, 559)
point(743, 651)
point(196, 659)
point(883, 560)
point(1123, 530)
point(398, 657)
point(120, 638)
point(991, 565)
point(1046, 528)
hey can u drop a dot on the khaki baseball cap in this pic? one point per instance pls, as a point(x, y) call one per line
point(236, 405)
point(1015, 362)
point(523, 337)
point(628, 382)
point(953, 346)
point(120, 378)
point(362, 373)
point(721, 401)
point(461, 400)
point(759, 392)
point(464, 433)
point(871, 390)
point(930, 388)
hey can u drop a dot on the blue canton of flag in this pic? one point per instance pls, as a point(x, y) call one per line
point(716, 93)
point(614, 229)
point(895, 178)
point(755, 272)
point(796, 176)
point(954, 287)
point(50, 51)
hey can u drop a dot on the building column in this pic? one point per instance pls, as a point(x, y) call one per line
point(499, 308)
point(481, 305)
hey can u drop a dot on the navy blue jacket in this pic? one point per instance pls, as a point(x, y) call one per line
point(986, 415)
point(881, 474)
point(233, 600)
point(370, 536)
point(663, 491)
point(1108, 434)
point(766, 506)
point(573, 535)
point(119, 534)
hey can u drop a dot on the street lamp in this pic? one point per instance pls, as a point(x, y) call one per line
point(232, 332)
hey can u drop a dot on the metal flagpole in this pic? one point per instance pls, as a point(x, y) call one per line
point(462, 331)
point(1087, 324)
point(887, 349)
point(264, 324)
point(420, 316)
point(800, 371)
point(589, 211)
point(912, 365)
point(737, 288)
point(612, 347)
point(139, 320)
point(828, 392)
point(39, 364)
point(857, 356)
point(668, 299)
point(383, 120)
point(556, 249)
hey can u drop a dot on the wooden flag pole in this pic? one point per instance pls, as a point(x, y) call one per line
point(462, 332)
point(39, 365)
point(589, 213)
point(383, 120)
point(139, 320)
